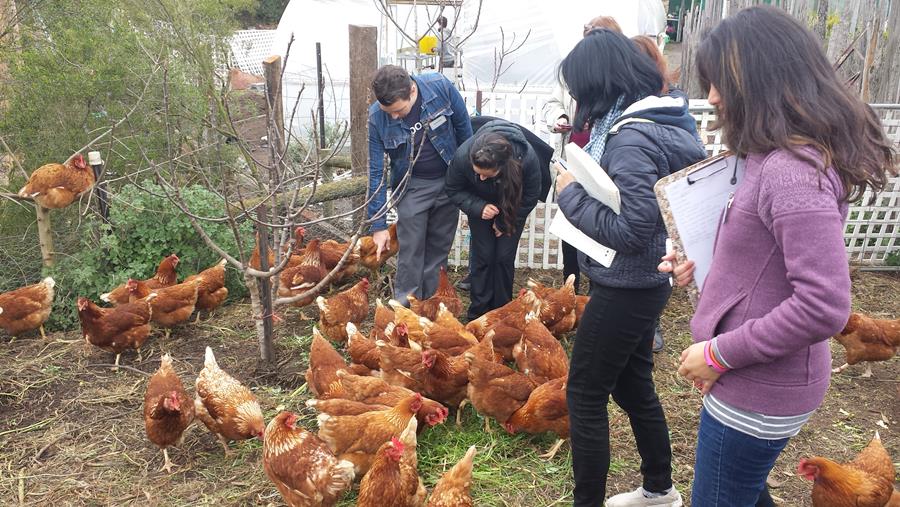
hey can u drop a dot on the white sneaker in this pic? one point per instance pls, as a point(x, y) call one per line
point(636, 498)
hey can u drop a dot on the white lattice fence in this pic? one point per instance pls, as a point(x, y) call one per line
point(872, 234)
point(250, 47)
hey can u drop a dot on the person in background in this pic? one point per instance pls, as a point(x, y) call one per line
point(648, 46)
point(428, 109)
point(558, 112)
point(638, 137)
point(446, 44)
point(779, 283)
point(495, 179)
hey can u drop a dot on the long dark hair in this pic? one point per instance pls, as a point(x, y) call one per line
point(648, 46)
point(603, 66)
point(778, 90)
point(493, 151)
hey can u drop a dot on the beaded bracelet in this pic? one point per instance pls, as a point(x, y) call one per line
point(711, 360)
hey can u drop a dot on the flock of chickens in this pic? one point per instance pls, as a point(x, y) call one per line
point(415, 363)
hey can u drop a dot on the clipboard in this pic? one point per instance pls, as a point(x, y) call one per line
point(598, 185)
point(692, 203)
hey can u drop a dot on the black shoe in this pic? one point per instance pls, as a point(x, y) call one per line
point(658, 342)
point(464, 285)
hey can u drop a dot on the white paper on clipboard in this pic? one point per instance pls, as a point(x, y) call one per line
point(696, 201)
point(598, 185)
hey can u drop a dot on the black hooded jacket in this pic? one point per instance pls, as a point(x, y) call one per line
point(470, 194)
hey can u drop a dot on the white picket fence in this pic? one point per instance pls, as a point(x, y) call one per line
point(872, 233)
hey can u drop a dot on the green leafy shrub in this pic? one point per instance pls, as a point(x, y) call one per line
point(144, 230)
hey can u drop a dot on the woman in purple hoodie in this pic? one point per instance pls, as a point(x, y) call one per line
point(779, 283)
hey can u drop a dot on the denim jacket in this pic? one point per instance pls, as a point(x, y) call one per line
point(386, 135)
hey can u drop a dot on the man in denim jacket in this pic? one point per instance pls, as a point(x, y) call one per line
point(424, 106)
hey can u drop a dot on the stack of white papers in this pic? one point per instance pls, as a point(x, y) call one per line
point(598, 185)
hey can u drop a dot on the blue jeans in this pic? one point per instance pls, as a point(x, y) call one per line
point(731, 467)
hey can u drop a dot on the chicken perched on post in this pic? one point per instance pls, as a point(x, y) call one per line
point(302, 467)
point(868, 339)
point(172, 305)
point(368, 252)
point(867, 481)
point(212, 291)
point(357, 438)
point(225, 406)
point(445, 295)
point(56, 186)
point(393, 480)
point(168, 409)
point(27, 308)
point(454, 487)
point(351, 305)
point(165, 277)
point(119, 328)
point(545, 410)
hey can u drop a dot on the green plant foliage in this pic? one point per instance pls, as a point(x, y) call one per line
point(145, 230)
point(892, 258)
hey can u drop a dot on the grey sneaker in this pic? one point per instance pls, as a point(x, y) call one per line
point(658, 342)
point(465, 284)
point(636, 498)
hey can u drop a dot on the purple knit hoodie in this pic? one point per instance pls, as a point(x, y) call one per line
point(779, 286)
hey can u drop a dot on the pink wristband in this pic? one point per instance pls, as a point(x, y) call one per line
point(710, 360)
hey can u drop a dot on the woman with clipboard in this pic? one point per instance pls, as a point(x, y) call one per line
point(778, 286)
point(638, 137)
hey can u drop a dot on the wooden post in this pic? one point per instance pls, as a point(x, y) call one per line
point(363, 64)
point(272, 69)
point(326, 172)
point(479, 101)
point(267, 339)
point(45, 235)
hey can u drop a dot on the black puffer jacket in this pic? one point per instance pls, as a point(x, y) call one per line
point(470, 194)
point(636, 157)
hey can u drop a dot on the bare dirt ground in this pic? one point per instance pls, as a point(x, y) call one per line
point(71, 430)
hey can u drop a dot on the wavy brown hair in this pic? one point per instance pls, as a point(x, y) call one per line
point(493, 151)
point(649, 47)
point(779, 91)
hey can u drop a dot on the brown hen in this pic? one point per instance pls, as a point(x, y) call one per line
point(212, 291)
point(302, 467)
point(496, 390)
point(165, 277)
point(226, 407)
point(868, 339)
point(867, 481)
point(119, 328)
point(56, 186)
point(351, 305)
point(545, 410)
point(454, 487)
point(27, 308)
point(357, 438)
point(393, 480)
point(368, 252)
point(539, 354)
point(445, 295)
point(168, 409)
